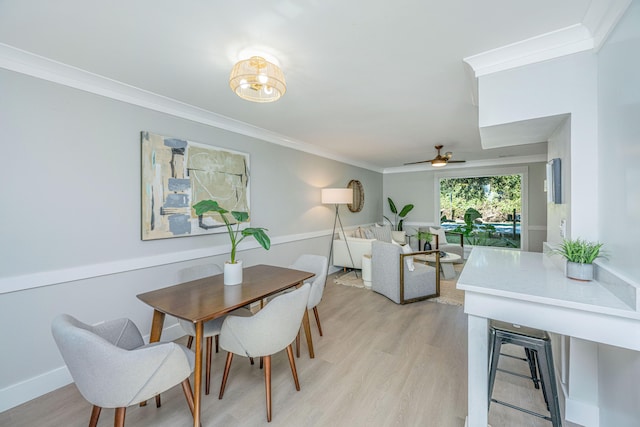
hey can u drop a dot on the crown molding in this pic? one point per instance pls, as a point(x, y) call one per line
point(600, 19)
point(502, 161)
point(573, 39)
point(24, 62)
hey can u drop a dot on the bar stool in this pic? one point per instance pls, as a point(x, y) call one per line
point(537, 347)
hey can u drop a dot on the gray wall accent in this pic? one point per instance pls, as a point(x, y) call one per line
point(71, 192)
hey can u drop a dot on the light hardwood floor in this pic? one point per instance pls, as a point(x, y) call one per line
point(378, 364)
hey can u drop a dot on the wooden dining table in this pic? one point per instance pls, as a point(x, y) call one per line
point(205, 299)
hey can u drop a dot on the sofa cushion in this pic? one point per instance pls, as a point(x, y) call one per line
point(442, 237)
point(382, 232)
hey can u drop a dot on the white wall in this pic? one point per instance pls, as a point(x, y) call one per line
point(565, 85)
point(619, 207)
point(70, 226)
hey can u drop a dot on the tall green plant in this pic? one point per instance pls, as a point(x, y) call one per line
point(397, 225)
point(236, 236)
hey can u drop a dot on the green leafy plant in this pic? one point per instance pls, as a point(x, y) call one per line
point(578, 250)
point(236, 236)
point(424, 236)
point(399, 216)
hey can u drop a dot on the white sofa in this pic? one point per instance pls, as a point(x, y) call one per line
point(360, 246)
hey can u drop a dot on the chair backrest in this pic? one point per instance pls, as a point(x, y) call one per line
point(316, 264)
point(270, 330)
point(198, 272)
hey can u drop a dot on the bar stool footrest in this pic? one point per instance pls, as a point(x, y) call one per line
point(517, 408)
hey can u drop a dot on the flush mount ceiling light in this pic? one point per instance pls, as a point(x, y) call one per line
point(258, 80)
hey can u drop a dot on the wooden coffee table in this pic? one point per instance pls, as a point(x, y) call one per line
point(446, 263)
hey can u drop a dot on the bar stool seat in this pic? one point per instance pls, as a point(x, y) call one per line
point(537, 346)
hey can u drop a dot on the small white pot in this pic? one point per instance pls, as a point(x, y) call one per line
point(578, 271)
point(232, 273)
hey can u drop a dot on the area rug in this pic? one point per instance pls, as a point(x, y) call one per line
point(448, 292)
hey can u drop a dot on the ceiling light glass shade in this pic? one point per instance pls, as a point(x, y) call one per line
point(258, 80)
point(438, 163)
point(337, 196)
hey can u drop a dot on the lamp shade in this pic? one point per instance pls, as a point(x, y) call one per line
point(258, 80)
point(337, 196)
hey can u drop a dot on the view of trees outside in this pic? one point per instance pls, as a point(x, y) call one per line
point(486, 210)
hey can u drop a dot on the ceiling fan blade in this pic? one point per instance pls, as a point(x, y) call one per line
point(421, 161)
point(456, 161)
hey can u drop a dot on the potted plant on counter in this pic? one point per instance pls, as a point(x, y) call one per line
point(233, 267)
point(580, 255)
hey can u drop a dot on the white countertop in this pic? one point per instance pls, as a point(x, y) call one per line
point(531, 276)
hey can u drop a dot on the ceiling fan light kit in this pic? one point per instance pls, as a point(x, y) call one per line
point(257, 80)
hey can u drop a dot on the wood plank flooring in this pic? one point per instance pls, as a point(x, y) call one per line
point(378, 364)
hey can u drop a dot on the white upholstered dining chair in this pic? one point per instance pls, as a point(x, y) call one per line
point(211, 328)
point(269, 331)
point(113, 368)
point(316, 264)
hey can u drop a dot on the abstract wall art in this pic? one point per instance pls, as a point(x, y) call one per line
point(176, 174)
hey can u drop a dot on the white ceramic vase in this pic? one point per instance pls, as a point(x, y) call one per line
point(233, 273)
point(578, 271)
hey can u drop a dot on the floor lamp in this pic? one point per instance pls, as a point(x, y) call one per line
point(337, 197)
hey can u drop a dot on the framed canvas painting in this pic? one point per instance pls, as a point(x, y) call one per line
point(176, 174)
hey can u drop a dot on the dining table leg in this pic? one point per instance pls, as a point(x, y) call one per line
point(197, 374)
point(307, 333)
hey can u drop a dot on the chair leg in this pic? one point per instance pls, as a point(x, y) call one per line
point(261, 362)
point(207, 380)
point(292, 363)
point(190, 341)
point(267, 384)
point(95, 414)
point(119, 420)
point(315, 312)
point(225, 375)
point(251, 360)
point(298, 344)
point(217, 343)
point(158, 402)
point(188, 394)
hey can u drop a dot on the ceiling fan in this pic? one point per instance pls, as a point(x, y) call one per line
point(440, 160)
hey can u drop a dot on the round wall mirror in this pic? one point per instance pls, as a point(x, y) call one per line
point(358, 196)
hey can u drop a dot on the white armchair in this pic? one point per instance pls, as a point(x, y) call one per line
point(113, 368)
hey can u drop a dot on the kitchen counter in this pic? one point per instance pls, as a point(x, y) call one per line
point(529, 289)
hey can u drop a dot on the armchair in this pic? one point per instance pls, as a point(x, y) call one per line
point(440, 242)
point(391, 275)
point(112, 367)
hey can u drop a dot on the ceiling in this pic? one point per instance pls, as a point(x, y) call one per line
point(374, 81)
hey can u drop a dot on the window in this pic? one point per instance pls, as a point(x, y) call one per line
point(486, 209)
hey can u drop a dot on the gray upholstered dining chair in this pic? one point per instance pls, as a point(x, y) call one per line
point(113, 368)
point(211, 328)
point(269, 331)
point(395, 275)
point(316, 264)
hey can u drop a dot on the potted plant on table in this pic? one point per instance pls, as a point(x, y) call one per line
point(580, 255)
point(233, 267)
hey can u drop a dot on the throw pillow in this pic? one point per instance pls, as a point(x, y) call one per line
point(368, 233)
point(442, 238)
point(382, 233)
point(406, 249)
